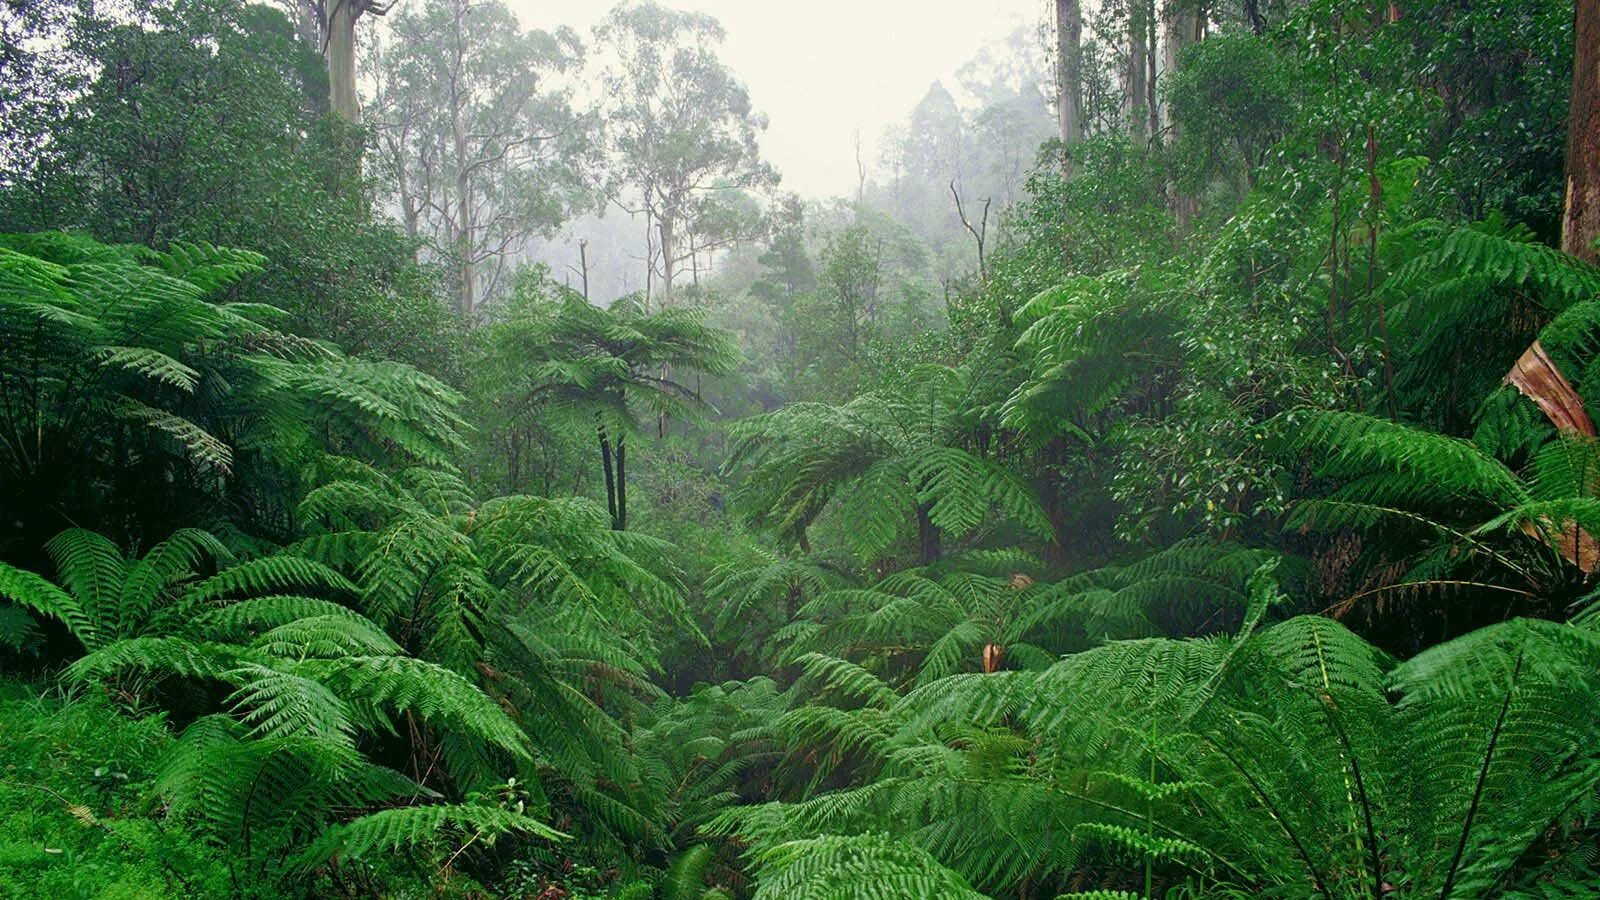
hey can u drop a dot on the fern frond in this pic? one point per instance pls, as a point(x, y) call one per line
point(409, 828)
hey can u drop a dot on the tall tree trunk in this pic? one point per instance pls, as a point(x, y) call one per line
point(1582, 224)
point(1069, 77)
point(467, 285)
point(668, 264)
point(1135, 87)
point(341, 52)
point(309, 23)
point(1252, 13)
point(467, 295)
point(1534, 375)
point(1181, 26)
point(1152, 60)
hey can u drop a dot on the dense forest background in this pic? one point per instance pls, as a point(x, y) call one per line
point(438, 458)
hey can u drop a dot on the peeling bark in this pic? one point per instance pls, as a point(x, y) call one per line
point(1537, 378)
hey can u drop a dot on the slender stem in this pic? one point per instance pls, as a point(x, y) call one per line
point(1483, 778)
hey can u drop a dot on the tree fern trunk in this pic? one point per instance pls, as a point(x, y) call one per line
point(927, 537)
point(621, 521)
point(611, 481)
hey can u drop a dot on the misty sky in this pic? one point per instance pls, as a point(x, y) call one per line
point(820, 69)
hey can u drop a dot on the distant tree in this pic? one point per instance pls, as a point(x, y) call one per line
point(1069, 76)
point(478, 139)
point(787, 268)
point(681, 128)
point(1139, 110)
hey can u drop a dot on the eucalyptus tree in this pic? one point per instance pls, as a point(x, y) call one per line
point(680, 127)
point(331, 25)
point(1069, 76)
point(478, 136)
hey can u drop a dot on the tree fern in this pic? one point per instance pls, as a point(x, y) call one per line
point(414, 827)
point(1463, 517)
point(888, 462)
point(866, 867)
point(538, 602)
point(1296, 759)
point(138, 378)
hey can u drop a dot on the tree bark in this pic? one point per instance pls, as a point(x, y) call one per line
point(467, 290)
point(1135, 86)
point(668, 264)
point(341, 53)
point(1582, 224)
point(467, 284)
point(1537, 378)
point(1252, 12)
point(1534, 375)
point(1069, 77)
point(1181, 26)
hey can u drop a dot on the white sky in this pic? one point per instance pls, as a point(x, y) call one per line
point(822, 69)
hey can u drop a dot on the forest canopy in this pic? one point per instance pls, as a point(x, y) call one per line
point(439, 456)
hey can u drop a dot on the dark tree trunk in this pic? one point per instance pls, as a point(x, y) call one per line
point(1252, 12)
point(929, 548)
point(611, 482)
point(1582, 224)
point(620, 523)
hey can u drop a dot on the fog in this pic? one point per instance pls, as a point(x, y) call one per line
point(825, 70)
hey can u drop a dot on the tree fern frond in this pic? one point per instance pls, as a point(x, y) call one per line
point(859, 867)
point(411, 827)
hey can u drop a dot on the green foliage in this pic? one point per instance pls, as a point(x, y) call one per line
point(1271, 759)
point(136, 384)
point(77, 823)
point(552, 356)
point(863, 867)
point(277, 768)
point(1461, 521)
point(395, 829)
point(890, 456)
point(199, 121)
point(1023, 613)
point(539, 602)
